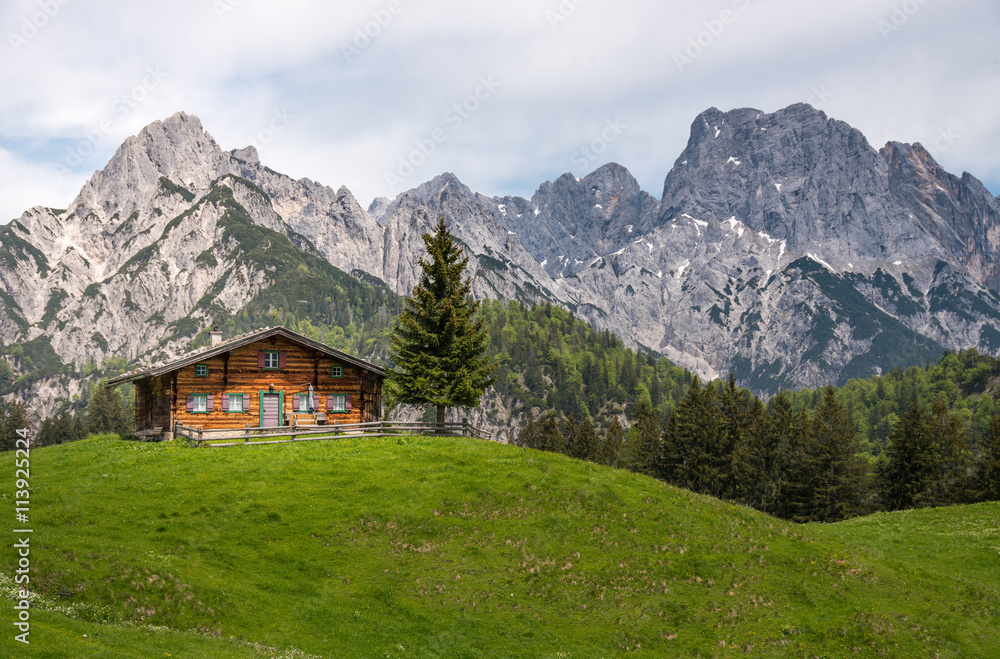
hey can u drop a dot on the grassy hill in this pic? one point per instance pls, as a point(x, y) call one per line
point(425, 547)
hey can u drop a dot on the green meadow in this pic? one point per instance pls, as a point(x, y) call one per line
point(432, 547)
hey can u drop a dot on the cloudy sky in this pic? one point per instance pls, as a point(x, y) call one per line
point(381, 95)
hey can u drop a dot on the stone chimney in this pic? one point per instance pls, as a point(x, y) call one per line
point(216, 336)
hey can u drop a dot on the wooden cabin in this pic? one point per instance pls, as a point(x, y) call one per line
point(261, 379)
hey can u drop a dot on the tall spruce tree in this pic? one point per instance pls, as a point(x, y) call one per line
point(927, 461)
point(836, 476)
point(645, 444)
point(12, 419)
point(694, 443)
point(438, 346)
point(528, 437)
point(582, 439)
point(909, 465)
point(757, 460)
point(737, 439)
point(795, 498)
point(951, 483)
point(613, 444)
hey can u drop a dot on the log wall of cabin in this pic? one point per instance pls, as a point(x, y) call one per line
point(238, 372)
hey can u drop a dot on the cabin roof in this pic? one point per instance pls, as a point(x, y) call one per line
point(237, 342)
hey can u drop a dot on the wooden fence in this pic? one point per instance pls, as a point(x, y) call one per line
point(252, 435)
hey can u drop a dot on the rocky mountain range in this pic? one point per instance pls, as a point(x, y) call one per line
point(783, 247)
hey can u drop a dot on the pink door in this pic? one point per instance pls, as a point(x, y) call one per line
point(271, 411)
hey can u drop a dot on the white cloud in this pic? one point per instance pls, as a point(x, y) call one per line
point(360, 102)
point(26, 184)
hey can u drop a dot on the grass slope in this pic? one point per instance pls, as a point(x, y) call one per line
point(424, 547)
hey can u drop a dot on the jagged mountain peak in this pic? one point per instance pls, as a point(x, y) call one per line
point(434, 188)
point(247, 154)
point(177, 148)
point(612, 179)
point(378, 208)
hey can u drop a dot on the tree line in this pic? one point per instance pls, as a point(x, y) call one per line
point(964, 381)
point(795, 464)
point(107, 411)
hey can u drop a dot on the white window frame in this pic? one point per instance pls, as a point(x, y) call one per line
point(303, 404)
point(234, 398)
point(272, 359)
point(342, 398)
point(200, 403)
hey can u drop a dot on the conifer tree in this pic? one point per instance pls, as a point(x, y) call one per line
point(612, 446)
point(14, 418)
point(568, 433)
point(951, 482)
point(737, 439)
point(645, 446)
point(694, 441)
point(438, 346)
point(549, 437)
point(837, 478)
point(668, 468)
point(60, 429)
point(528, 437)
point(757, 460)
point(582, 440)
point(795, 495)
point(909, 466)
point(106, 414)
point(79, 429)
point(927, 461)
point(47, 434)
